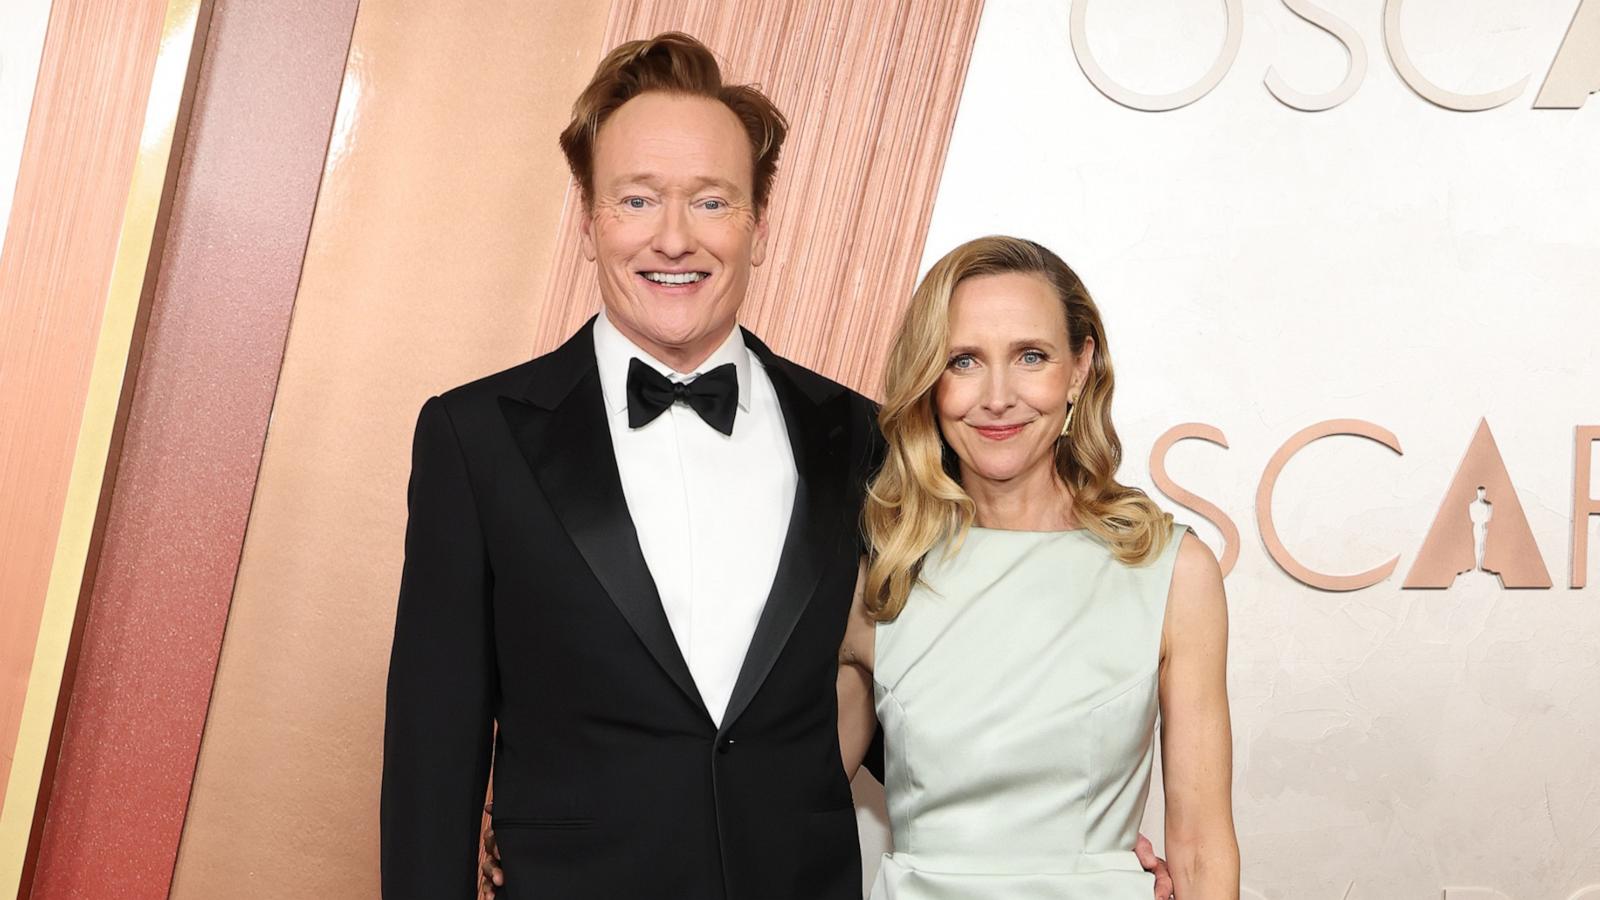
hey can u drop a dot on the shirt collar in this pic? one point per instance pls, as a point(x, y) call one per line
point(613, 349)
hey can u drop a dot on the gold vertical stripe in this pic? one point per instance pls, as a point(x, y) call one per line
point(84, 489)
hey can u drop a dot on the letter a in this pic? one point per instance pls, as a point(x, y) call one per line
point(1509, 551)
point(1575, 73)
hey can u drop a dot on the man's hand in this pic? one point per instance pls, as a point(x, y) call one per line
point(489, 874)
point(1152, 863)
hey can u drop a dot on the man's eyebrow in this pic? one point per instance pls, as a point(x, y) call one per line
point(639, 178)
point(713, 181)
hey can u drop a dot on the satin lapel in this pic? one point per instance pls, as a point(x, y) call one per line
point(576, 466)
point(813, 530)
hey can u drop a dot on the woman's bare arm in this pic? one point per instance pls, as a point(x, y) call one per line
point(1196, 736)
point(857, 719)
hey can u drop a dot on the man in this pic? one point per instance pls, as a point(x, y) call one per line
point(635, 555)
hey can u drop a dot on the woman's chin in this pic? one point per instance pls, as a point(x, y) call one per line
point(1003, 468)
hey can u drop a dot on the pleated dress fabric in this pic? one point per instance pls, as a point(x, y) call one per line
point(1018, 693)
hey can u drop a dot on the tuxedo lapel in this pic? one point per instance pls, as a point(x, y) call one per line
point(560, 426)
point(813, 526)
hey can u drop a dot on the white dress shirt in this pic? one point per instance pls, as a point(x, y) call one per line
point(711, 510)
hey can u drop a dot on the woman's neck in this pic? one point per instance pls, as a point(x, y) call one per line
point(1036, 501)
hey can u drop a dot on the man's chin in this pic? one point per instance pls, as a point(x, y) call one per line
point(679, 335)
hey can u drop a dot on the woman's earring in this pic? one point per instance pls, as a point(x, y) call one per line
point(1066, 427)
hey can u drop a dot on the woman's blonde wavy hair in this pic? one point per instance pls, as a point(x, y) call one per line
point(916, 501)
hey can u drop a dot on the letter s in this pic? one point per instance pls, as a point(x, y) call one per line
point(1344, 34)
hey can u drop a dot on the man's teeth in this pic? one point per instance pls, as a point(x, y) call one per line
point(675, 277)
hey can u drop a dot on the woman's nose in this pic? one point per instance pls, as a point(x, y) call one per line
point(999, 394)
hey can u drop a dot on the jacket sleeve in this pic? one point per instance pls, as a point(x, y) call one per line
point(439, 726)
point(876, 451)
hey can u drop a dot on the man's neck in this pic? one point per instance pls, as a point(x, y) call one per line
point(683, 359)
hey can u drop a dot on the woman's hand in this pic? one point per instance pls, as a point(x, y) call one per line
point(489, 874)
point(1155, 865)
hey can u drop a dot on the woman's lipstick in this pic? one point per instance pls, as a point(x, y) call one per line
point(1000, 432)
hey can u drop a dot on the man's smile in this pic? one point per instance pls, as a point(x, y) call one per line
point(661, 277)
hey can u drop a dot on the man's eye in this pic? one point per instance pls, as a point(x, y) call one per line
point(714, 205)
point(634, 203)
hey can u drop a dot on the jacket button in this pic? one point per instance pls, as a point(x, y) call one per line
point(724, 745)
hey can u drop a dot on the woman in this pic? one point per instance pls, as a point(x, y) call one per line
point(1024, 619)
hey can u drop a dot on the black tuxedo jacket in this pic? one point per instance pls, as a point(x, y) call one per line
point(525, 602)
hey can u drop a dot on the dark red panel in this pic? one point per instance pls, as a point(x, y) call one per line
point(247, 187)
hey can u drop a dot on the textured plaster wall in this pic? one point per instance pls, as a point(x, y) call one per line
point(1262, 269)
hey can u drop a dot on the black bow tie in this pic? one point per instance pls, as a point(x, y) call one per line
point(714, 395)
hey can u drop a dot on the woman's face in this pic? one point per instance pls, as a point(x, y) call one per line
point(1009, 376)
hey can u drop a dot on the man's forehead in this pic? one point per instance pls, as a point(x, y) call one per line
point(668, 180)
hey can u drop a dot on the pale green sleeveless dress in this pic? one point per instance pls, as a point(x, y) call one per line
point(1017, 693)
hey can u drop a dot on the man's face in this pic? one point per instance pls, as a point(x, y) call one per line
point(673, 228)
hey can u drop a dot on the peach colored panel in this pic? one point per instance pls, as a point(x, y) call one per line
point(430, 246)
point(21, 45)
point(241, 214)
point(55, 270)
point(871, 91)
point(433, 245)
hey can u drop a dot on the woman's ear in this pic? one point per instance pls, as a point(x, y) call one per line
point(1081, 368)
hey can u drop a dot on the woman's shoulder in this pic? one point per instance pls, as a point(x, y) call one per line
point(1193, 562)
point(1196, 594)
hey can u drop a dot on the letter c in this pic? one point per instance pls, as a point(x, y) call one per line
point(1426, 89)
point(1269, 480)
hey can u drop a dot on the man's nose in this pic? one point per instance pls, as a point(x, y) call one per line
point(675, 236)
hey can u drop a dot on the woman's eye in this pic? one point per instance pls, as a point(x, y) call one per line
point(961, 362)
point(1032, 357)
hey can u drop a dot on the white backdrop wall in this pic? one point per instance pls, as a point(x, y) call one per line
point(1261, 269)
point(22, 28)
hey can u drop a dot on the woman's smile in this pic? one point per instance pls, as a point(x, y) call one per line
point(999, 432)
